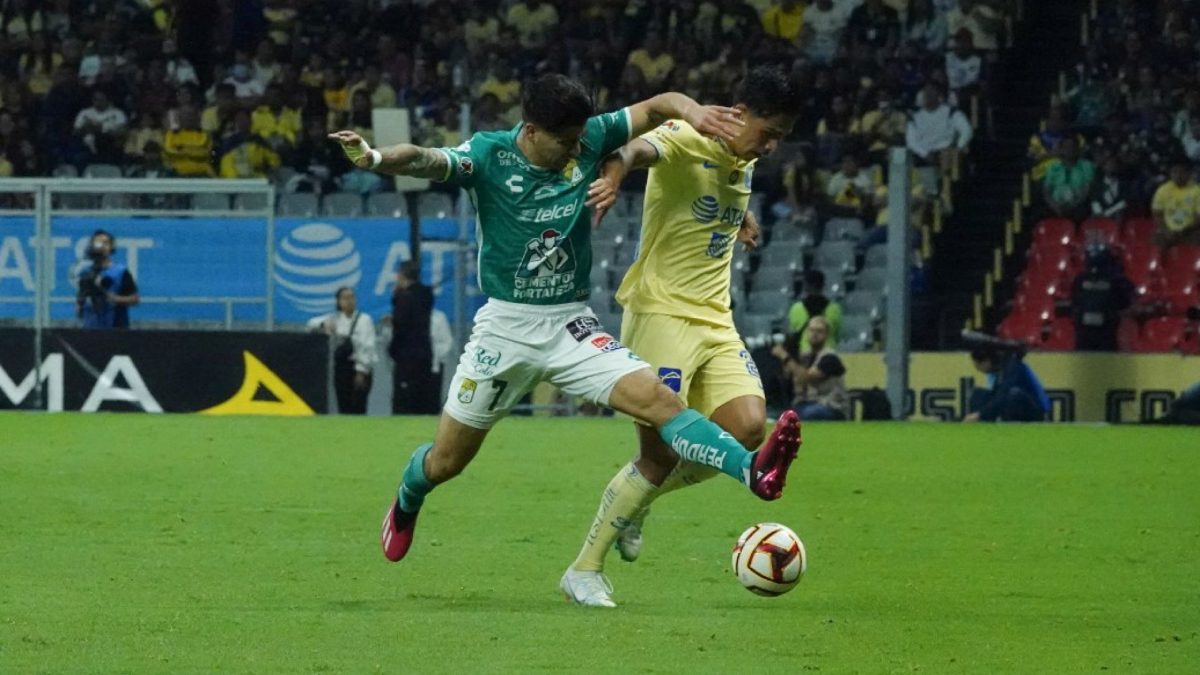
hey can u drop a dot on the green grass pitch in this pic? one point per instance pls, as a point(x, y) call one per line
point(177, 544)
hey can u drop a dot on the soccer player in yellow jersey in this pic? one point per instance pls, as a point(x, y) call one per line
point(677, 295)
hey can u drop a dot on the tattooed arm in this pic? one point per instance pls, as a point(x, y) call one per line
point(398, 160)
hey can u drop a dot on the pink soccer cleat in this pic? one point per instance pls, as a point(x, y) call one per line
point(397, 535)
point(768, 470)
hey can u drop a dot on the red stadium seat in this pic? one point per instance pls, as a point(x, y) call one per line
point(1024, 327)
point(1054, 230)
point(1062, 261)
point(1040, 305)
point(1182, 257)
point(1139, 231)
point(1141, 261)
point(1128, 334)
point(1038, 282)
point(1062, 336)
point(1163, 334)
point(1183, 296)
point(1094, 230)
point(1152, 291)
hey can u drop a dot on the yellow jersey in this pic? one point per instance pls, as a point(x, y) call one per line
point(1180, 206)
point(696, 197)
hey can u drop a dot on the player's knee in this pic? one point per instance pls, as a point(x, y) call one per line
point(750, 431)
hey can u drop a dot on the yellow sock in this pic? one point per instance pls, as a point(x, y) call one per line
point(627, 493)
point(685, 474)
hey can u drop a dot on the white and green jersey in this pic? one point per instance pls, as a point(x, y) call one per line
point(534, 232)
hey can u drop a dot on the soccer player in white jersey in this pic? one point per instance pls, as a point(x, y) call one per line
point(677, 293)
point(534, 188)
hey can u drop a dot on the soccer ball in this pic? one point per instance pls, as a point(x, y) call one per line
point(769, 559)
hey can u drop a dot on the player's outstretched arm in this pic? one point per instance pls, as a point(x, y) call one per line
point(398, 160)
point(710, 120)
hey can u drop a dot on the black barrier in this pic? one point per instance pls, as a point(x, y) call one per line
point(167, 371)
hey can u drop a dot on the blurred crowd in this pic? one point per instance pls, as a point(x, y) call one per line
point(240, 88)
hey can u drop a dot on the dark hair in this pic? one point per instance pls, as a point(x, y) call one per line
point(555, 103)
point(338, 294)
point(411, 269)
point(768, 91)
point(985, 353)
point(102, 232)
point(814, 280)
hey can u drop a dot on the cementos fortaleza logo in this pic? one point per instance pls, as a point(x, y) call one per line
point(312, 262)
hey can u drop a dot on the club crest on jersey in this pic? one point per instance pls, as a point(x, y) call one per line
point(719, 245)
point(672, 377)
point(572, 173)
point(466, 392)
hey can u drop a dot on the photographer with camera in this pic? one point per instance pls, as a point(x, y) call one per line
point(818, 376)
point(106, 289)
point(1015, 393)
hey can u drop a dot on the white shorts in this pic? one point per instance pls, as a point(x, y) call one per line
point(514, 347)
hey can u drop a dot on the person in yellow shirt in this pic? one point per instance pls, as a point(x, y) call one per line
point(1176, 206)
point(381, 93)
point(677, 293)
point(187, 150)
point(277, 125)
point(501, 83)
point(654, 63)
point(245, 154)
point(784, 20)
point(533, 20)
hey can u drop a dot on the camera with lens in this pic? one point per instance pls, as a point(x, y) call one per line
point(94, 286)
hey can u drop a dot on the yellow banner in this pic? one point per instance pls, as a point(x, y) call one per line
point(1082, 387)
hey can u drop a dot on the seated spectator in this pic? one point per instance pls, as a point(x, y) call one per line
point(964, 68)
point(245, 154)
point(1043, 145)
point(246, 88)
point(818, 377)
point(1098, 296)
point(335, 92)
point(447, 133)
point(317, 162)
point(313, 72)
point(180, 71)
point(481, 32)
point(980, 18)
point(279, 126)
point(880, 128)
point(851, 191)
point(218, 117)
point(824, 22)
point(1091, 102)
point(36, 65)
point(652, 60)
point(1068, 182)
point(150, 163)
point(485, 114)
point(784, 20)
point(798, 208)
point(147, 130)
point(833, 132)
point(381, 93)
point(1111, 192)
point(814, 303)
point(533, 21)
point(1190, 139)
point(501, 83)
point(101, 128)
point(925, 27)
point(1176, 206)
point(187, 149)
point(937, 133)
point(875, 27)
point(265, 66)
point(1014, 393)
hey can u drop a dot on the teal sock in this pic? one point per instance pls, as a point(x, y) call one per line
point(694, 438)
point(415, 485)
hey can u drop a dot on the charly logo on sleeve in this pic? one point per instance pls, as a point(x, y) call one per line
point(312, 262)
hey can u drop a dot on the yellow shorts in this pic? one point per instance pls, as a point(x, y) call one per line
point(706, 365)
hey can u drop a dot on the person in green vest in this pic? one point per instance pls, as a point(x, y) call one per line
point(814, 303)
